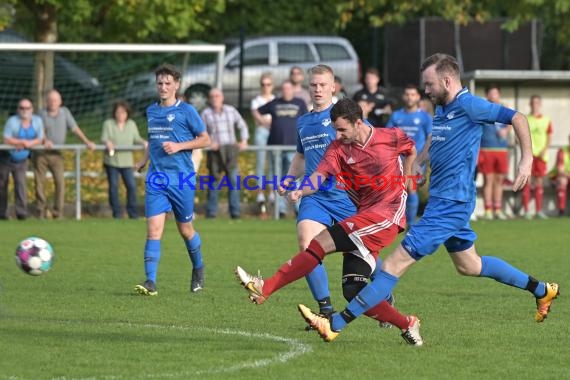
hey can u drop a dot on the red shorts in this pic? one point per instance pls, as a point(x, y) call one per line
point(493, 162)
point(370, 232)
point(538, 167)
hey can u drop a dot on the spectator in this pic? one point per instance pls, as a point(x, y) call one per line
point(57, 120)
point(284, 112)
point(23, 131)
point(494, 160)
point(540, 133)
point(297, 77)
point(561, 174)
point(339, 92)
point(262, 125)
point(426, 105)
point(372, 90)
point(121, 130)
point(221, 120)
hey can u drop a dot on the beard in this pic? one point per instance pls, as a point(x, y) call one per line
point(440, 99)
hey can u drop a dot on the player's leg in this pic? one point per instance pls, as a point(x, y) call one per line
point(156, 207)
point(183, 207)
point(539, 196)
point(468, 263)
point(561, 193)
point(298, 266)
point(439, 221)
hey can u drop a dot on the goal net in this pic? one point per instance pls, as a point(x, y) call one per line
point(91, 77)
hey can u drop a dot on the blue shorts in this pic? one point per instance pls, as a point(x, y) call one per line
point(181, 202)
point(444, 222)
point(325, 212)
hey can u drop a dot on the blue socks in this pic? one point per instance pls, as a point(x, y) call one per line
point(151, 258)
point(318, 281)
point(193, 246)
point(376, 291)
point(505, 273)
point(412, 205)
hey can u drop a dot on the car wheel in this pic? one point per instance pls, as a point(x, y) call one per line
point(197, 95)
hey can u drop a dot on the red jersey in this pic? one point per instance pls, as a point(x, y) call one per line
point(372, 173)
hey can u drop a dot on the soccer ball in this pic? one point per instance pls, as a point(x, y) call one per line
point(34, 256)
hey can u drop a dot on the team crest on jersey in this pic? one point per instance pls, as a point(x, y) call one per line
point(417, 120)
point(451, 115)
point(326, 122)
point(170, 117)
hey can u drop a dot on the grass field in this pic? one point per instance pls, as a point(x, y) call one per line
point(81, 320)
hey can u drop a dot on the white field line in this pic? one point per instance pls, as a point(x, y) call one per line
point(296, 348)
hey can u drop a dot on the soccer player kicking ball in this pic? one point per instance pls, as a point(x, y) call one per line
point(362, 154)
point(174, 129)
point(457, 129)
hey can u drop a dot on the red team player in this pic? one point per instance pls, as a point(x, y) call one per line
point(362, 153)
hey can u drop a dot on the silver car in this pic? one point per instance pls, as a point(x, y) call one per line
point(275, 54)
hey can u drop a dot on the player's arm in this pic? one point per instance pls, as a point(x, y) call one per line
point(308, 187)
point(522, 131)
point(423, 156)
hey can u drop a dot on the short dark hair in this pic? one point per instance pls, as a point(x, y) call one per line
point(168, 69)
point(535, 96)
point(372, 70)
point(492, 86)
point(411, 86)
point(347, 109)
point(444, 64)
point(124, 104)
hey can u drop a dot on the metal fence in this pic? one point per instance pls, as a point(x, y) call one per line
point(77, 173)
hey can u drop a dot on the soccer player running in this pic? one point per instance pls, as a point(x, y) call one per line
point(373, 156)
point(417, 125)
point(174, 129)
point(457, 129)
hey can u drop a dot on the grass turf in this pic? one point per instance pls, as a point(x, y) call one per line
point(82, 320)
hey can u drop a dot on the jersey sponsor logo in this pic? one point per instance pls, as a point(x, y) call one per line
point(170, 117)
point(326, 122)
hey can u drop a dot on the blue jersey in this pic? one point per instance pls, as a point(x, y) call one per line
point(491, 140)
point(316, 132)
point(457, 130)
point(417, 125)
point(177, 123)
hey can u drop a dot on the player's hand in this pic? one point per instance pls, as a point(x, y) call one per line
point(283, 186)
point(295, 195)
point(170, 147)
point(523, 173)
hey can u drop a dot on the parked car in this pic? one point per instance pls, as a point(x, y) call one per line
point(275, 54)
point(80, 91)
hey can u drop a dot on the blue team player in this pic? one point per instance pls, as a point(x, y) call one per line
point(417, 125)
point(457, 129)
point(323, 208)
point(174, 129)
